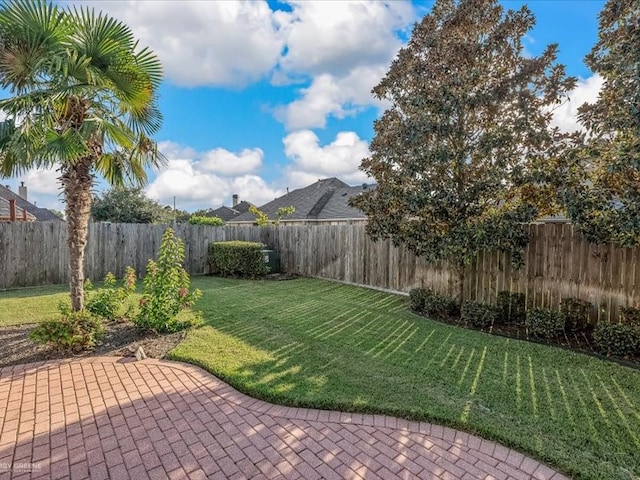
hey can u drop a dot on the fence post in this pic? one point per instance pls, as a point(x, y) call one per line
point(12, 210)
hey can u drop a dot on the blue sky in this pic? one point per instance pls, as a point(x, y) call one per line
point(261, 96)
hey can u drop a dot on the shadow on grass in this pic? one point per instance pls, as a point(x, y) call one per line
point(362, 353)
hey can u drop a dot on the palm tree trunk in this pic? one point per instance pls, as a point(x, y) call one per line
point(77, 181)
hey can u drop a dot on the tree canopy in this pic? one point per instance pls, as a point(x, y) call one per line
point(129, 205)
point(603, 194)
point(465, 153)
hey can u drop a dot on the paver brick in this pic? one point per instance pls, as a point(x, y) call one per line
point(104, 418)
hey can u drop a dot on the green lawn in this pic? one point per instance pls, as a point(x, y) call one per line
point(321, 344)
point(31, 305)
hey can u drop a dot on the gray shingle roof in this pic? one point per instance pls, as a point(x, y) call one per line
point(225, 213)
point(325, 199)
point(338, 205)
point(41, 214)
point(229, 213)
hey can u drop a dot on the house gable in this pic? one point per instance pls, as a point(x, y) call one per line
point(40, 214)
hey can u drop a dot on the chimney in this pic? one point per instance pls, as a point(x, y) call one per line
point(235, 199)
point(22, 190)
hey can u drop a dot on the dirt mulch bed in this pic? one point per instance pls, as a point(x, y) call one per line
point(121, 339)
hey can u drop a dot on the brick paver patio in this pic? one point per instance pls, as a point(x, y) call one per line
point(117, 418)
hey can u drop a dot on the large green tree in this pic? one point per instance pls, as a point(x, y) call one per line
point(129, 205)
point(603, 198)
point(83, 99)
point(463, 155)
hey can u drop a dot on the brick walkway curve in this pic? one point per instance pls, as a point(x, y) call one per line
point(110, 417)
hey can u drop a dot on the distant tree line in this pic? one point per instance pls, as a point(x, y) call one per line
point(131, 205)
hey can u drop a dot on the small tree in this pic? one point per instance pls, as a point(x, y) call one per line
point(465, 150)
point(603, 198)
point(262, 219)
point(166, 289)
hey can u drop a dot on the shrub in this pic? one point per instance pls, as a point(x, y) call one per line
point(478, 314)
point(108, 301)
point(72, 332)
point(576, 313)
point(511, 307)
point(617, 338)
point(202, 220)
point(418, 298)
point(426, 302)
point(630, 315)
point(545, 323)
point(166, 289)
point(244, 259)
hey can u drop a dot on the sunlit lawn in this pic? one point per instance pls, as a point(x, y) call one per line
point(31, 305)
point(321, 344)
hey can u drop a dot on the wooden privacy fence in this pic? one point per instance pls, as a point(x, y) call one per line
point(559, 263)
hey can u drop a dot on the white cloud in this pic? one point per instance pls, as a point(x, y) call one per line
point(565, 116)
point(227, 43)
point(329, 95)
point(42, 181)
point(346, 47)
point(224, 162)
point(204, 180)
point(341, 47)
point(334, 37)
point(311, 161)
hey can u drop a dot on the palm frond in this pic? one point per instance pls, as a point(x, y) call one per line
point(130, 167)
point(68, 145)
point(32, 34)
point(150, 64)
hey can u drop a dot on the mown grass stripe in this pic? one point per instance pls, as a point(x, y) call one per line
point(304, 342)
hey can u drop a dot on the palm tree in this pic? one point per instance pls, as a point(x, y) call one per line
point(83, 100)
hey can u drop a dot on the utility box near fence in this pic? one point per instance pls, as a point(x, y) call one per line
point(272, 259)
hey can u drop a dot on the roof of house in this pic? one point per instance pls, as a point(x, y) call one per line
point(41, 214)
point(5, 211)
point(338, 205)
point(229, 213)
point(323, 200)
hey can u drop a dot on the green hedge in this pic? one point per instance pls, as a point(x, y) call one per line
point(545, 323)
point(427, 302)
point(241, 259)
point(617, 338)
point(478, 314)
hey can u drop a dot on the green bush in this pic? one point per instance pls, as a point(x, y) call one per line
point(166, 289)
point(617, 338)
point(418, 298)
point(235, 258)
point(426, 302)
point(576, 313)
point(511, 307)
point(107, 302)
point(72, 332)
point(544, 323)
point(630, 315)
point(478, 314)
point(202, 220)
